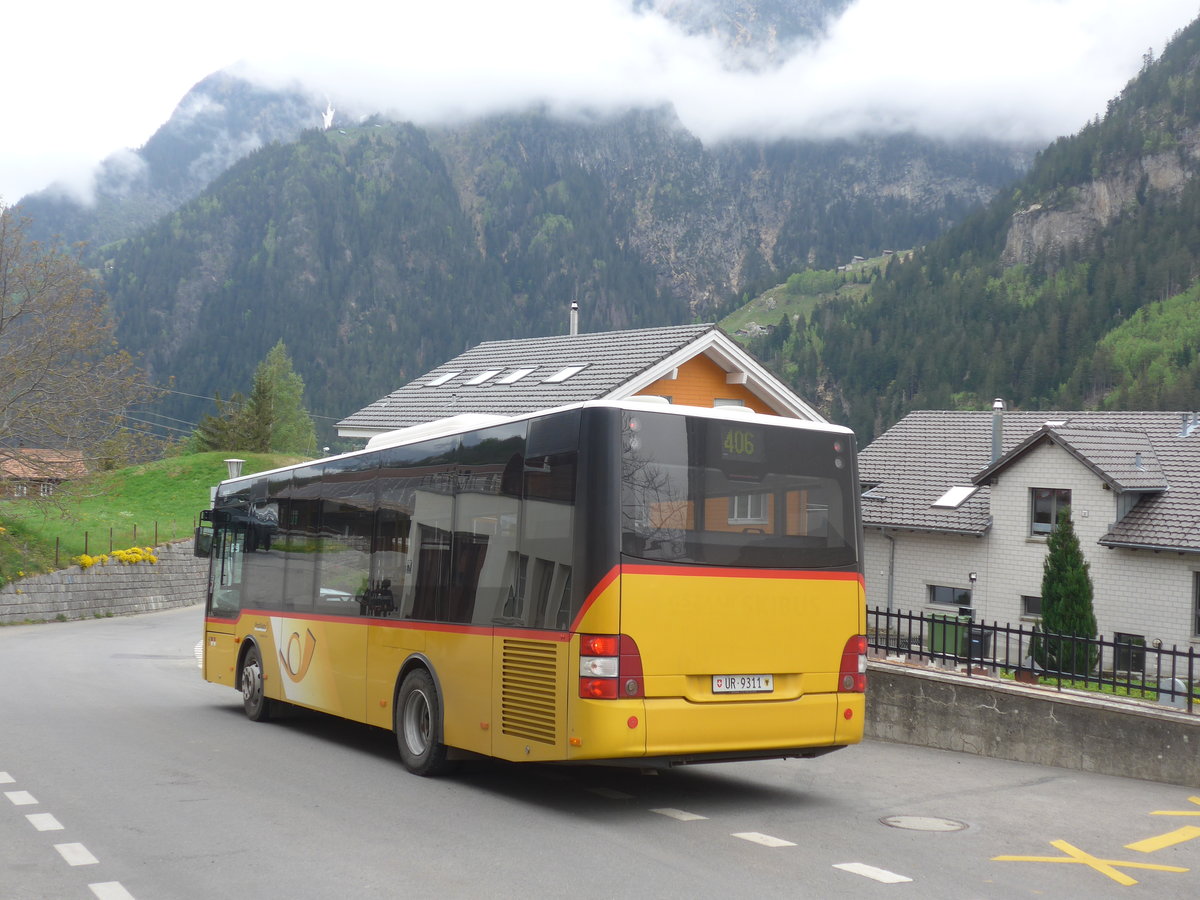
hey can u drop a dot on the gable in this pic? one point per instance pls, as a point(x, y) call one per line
point(701, 382)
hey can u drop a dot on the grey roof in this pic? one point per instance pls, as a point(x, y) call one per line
point(1124, 460)
point(1154, 454)
point(611, 361)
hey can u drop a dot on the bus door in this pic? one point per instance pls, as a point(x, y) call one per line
point(224, 598)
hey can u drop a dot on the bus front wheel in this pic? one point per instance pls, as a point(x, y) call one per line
point(254, 698)
point(419, 725)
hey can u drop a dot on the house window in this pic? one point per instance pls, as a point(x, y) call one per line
point(748, 509)
point(46, 488)
point(20, 490)
point(1196, 603)
point(1031, 607)
point(728, 401)
point(949, 596)
point(1046, 504)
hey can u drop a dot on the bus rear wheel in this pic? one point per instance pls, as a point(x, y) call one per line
point(419, 725)
point(254, 698)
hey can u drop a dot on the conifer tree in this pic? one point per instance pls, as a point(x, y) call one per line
point(271, 418)
point(1066, 604)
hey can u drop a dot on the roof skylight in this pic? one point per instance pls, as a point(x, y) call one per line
point(956, 496)
point(441, 379)
point(483, 376)
point(563, 374)
point(515, 375)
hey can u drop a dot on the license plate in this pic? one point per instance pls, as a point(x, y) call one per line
point(743, 684)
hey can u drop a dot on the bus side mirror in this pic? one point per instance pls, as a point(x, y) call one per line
point(202, 546)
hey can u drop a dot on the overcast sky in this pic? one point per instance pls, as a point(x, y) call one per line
point(84, 79)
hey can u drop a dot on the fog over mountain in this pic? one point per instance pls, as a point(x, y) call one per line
point(1019, 70)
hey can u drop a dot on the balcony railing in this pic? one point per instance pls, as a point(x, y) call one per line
point(1118, 667)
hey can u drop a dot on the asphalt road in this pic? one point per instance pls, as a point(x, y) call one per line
point(123, 774)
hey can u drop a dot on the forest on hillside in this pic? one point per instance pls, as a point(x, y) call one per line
point(378, 251)
point(1104, 322)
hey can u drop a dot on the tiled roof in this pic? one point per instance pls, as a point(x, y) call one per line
point(30, 464)
point(1125, 460)
point(611, 359)
point(1153, 453)
point(607, 363)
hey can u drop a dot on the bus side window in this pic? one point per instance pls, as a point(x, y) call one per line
point(226, 572)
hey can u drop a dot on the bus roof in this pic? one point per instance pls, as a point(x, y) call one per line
point(459, 424)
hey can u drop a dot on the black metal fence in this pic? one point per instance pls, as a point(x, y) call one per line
point(1122, 668)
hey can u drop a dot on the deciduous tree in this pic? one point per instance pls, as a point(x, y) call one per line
point(63, 384)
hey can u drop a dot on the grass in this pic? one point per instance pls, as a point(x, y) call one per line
point(1134, 689)
point(139, 506)
point(774, 303)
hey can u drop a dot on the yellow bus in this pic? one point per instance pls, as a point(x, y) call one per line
point(610, 581)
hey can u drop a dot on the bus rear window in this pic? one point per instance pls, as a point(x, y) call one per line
point(733, 493)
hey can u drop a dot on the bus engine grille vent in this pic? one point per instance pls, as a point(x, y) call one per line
point(529, 677)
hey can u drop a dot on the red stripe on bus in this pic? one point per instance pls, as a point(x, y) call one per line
point(719, 572)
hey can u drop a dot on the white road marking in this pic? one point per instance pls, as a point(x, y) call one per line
point(199, 651)
point(21, 798)
point(110, 890)
point(678, 814)
point(5, 778)
point(610, 793)
point(76, 854)
point(882, 875)
point(44, 822)
point(765, 839)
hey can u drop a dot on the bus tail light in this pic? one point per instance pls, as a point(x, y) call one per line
point(852, 677)
point(610, 667)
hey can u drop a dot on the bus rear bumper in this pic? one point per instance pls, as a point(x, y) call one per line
point(676, 731)
point(753, 728)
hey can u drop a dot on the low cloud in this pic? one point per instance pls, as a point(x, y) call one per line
point(1021, 70)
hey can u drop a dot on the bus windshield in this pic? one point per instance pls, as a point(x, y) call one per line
point(736, 493)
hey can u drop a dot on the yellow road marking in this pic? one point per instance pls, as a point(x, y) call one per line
point(1110, 867)
point(1179, 812)
point(1178, 836)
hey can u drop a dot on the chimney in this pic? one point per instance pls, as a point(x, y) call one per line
point(997, 428)
point(574, 318)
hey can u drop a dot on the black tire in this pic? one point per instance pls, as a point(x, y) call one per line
point(254, 698)
point(419, 725)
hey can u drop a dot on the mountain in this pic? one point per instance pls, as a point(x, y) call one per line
point(755, 34)
point(1075, 288)
point(224, 118)
point(377, 251)
point(218, 122)
point(376, 248)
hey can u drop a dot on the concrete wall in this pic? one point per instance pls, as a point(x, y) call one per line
point(1004, 720)
point(177, 579)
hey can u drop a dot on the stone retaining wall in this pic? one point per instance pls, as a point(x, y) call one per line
point(1032, 724)
point(177, 579)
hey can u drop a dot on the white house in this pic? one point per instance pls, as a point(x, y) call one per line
point(958, 506)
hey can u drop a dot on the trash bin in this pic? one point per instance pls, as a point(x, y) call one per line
point(948, 634)
point(979, 642)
